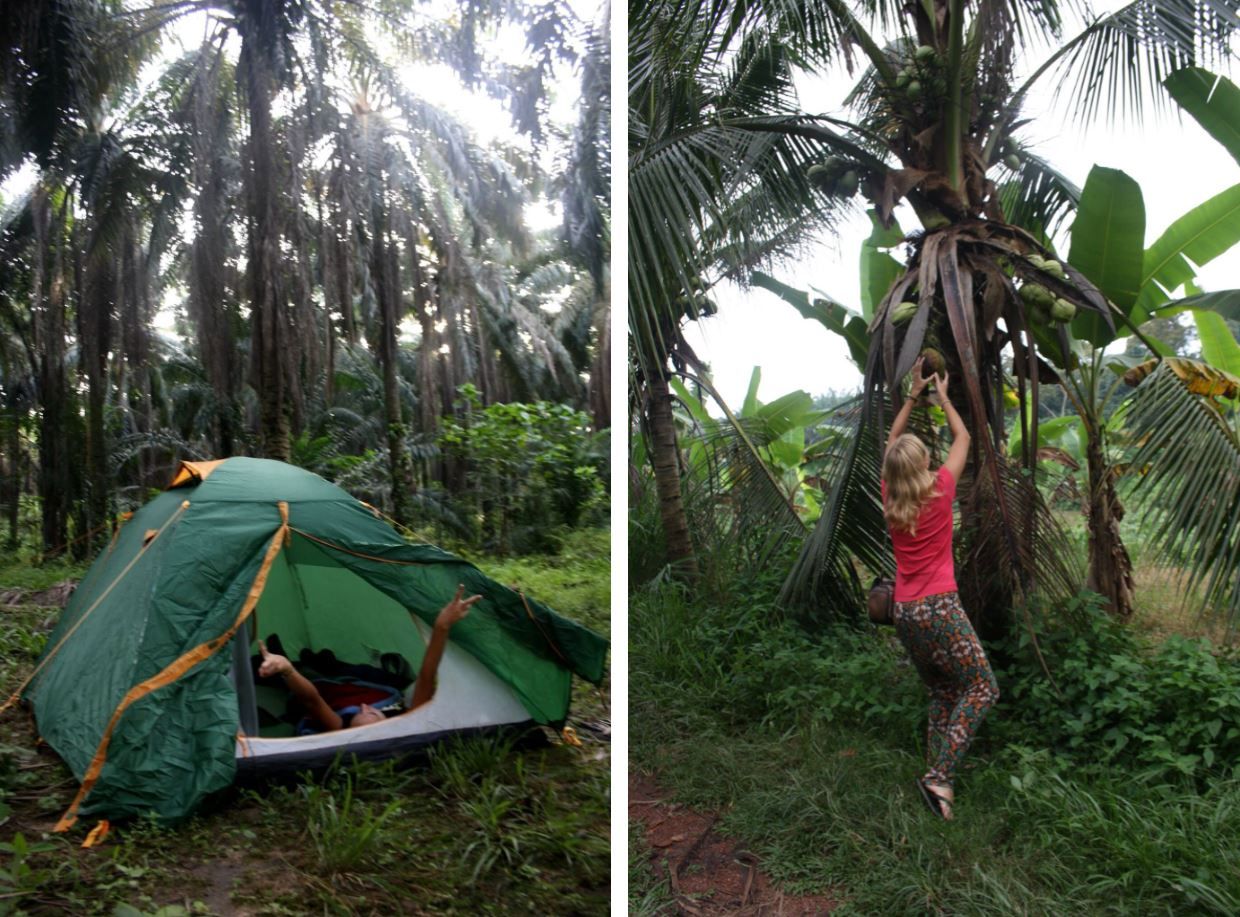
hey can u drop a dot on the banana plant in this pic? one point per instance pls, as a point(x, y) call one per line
point(773, 434)
point(1107, 246)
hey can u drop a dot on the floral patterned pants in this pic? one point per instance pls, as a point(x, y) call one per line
point(953, 665)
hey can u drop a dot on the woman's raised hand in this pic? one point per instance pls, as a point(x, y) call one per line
point(940, 389)
point(919, 381)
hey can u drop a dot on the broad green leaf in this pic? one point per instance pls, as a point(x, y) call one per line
point(1066, 433)
point(751, 394)
point(787, 412)
point(831, 315)
point(1218, 344)
point(786, 452)
point(878, 269)
point(1225, 302)
point(1108, 246)
point(1213, 100)
point(692, 403)
point(1202, 234)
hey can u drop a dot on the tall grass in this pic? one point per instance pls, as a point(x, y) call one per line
point(810, 744)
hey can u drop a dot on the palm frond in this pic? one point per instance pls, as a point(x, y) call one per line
point(1039, 197)
point(1188, 465)
point(825, 581)
point(1119, 61)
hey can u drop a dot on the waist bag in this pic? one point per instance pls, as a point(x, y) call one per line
point(881, 601)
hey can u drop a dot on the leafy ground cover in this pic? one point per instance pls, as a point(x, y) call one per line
point(1118, 794)
point(479, 827)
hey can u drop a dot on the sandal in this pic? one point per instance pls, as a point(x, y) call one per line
point(935, 799)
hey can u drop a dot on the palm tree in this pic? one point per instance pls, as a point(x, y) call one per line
point(720, 182)
point(303, 217)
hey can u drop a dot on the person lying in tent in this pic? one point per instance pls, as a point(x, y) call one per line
point(322, 718)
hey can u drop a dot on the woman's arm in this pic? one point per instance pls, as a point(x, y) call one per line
point(901, 421)
point(424, 687)
point(300, 687)
point(959, 452)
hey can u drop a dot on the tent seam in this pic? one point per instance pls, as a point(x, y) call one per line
point(173, 672)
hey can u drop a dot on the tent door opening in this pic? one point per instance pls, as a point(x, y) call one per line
point(335, 627)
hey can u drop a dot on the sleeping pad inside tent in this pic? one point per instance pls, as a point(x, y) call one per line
point(148, 687)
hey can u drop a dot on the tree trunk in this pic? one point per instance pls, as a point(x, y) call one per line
point(1110, 567)
point(13, 480)
point(94, 324)
point(48, 297)
point(665, 461)
point(270, 341)
point(387, 289)
point(600, 369)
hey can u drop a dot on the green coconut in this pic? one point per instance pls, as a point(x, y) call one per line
point(1062, 310)
point(1012, 161)
point(902, 79)
point(1055, 269)
point(1034, 294)
point(925, 53)
point(848, 183)
point(914, 90)
point(903, 312)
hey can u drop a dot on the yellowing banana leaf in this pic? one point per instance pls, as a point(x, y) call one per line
point(1199, 378)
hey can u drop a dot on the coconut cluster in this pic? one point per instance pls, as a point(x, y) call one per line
point(922, 75)
point(835, 176)
point(1043, 306)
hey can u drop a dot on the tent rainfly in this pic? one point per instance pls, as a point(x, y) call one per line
point(147, 688)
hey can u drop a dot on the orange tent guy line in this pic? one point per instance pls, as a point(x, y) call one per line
point(336, 547)
point(551, 643)
point(174, 671)
point(56, 649)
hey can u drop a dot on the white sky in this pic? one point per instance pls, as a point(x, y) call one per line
point(1176, 163)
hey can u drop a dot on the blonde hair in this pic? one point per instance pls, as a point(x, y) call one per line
point(910, 483)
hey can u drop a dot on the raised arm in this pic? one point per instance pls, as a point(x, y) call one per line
point(898, 425)
point(300, 687)
point(959, 452)
point(424, 687)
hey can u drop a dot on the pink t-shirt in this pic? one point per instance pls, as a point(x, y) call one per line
point(924, 564)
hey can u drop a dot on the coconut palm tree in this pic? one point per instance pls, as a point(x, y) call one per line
point(721, 180)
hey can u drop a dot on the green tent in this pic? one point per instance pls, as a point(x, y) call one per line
point(146, 688)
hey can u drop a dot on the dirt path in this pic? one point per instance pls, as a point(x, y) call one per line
point(708, 872)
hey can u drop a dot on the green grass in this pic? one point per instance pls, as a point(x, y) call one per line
point(649, 896)
point(479, 828)
point(809, 746)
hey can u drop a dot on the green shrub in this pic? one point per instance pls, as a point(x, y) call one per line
point(746, 662)
point(1116, 702)
point(531, 467)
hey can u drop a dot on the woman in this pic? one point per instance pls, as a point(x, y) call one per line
point(917, 504)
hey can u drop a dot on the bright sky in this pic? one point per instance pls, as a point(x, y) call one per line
point(1176, 163)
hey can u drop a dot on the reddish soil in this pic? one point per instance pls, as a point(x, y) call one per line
point(708, 872)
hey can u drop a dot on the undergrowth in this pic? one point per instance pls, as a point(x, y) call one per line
point(1121, 796)
point(478, 827)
